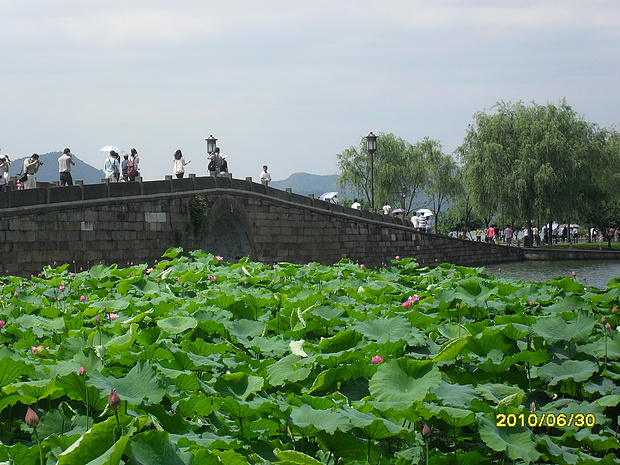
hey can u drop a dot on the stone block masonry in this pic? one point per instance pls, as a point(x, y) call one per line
point(87, 225)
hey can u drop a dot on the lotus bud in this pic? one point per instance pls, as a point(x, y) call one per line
point(113, 400)
point(377, 359)
point(82, 298)
point(603, 319)
point(97, 319)
point(608, 327)
point(2, 323)
point(32, 419)
point(61, 288)
point(82, 371)
point(426, 431)
point(406, 304)
point(614, 310)
point(574, 274)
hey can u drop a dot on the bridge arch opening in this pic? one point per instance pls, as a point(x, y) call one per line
point(228, 230)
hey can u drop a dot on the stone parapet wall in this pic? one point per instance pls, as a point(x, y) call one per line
point(137, 222)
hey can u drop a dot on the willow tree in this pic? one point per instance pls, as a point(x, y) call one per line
point(400, 171)
point(532, 161)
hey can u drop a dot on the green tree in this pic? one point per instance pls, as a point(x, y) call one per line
point(399, 171)
point(533, 162)
point(443, 178)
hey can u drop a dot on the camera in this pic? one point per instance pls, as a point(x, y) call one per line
point(40, 163)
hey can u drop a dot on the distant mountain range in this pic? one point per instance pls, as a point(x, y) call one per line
point(305, 184)
point(48, 172)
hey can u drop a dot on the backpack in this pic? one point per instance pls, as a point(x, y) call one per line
point(131, 168)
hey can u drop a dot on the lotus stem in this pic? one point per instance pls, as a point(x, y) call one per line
point(36, 433)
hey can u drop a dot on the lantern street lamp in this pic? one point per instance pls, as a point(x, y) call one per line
point(211, 144)
point(371, 146)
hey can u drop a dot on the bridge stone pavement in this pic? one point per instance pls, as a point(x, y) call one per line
point(136, 222)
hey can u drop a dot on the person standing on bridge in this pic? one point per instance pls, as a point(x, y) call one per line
point(265, 177)
point(112, 167)
point(64, 167)
point(386, 208)
point(31, 166)
point(179, 164)
point(215, 163)
point(5, 164)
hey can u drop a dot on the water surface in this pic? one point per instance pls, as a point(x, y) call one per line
point(597, 273)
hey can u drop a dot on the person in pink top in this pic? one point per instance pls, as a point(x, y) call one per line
point(491, 234)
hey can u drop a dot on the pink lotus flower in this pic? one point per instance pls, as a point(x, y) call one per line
point(97, 319)
point(111, 316)
point(614, 310)
point(377, 359)
point(113, 400)
point(15, 294)
point(603, 319)
point(574, 274)
point(61, 288)
point(397, 257)
point(219, 258)
point(212, 278)
point(413, 298)
point(32, 419)
point(2, 323)
point(406, 304)
point(38, 349)
point(149, 270)
point(39, 275)
point(73, 275)
point(362, 266)
point(82, 371)
point(608, 327)
point(82, 298)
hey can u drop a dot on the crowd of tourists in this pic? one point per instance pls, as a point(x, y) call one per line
point(123, 167)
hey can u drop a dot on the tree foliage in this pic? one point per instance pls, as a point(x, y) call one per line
point(538, 161)
point(399, 171)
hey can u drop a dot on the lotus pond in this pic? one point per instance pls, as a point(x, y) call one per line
point(194, 360)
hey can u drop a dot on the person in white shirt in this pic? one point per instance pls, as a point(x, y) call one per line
point(31, 166)
point(356, 205)
point(265, 177)
point(112, 167)
point(179, 164)
point(386, 208)
point(5, 164)
point(64, 168)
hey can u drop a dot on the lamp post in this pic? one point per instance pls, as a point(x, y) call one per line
point(371, 146)
point(211, 144)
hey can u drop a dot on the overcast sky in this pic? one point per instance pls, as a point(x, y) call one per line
point(289, 83)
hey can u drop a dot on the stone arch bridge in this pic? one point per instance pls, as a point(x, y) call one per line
point(137, 221)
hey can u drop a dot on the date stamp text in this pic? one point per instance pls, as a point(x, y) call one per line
point(551, 420)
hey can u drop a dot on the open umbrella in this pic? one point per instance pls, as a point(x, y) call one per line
point(329, 197)
point(109, 148)
point(424, 211)
point(399, 210)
